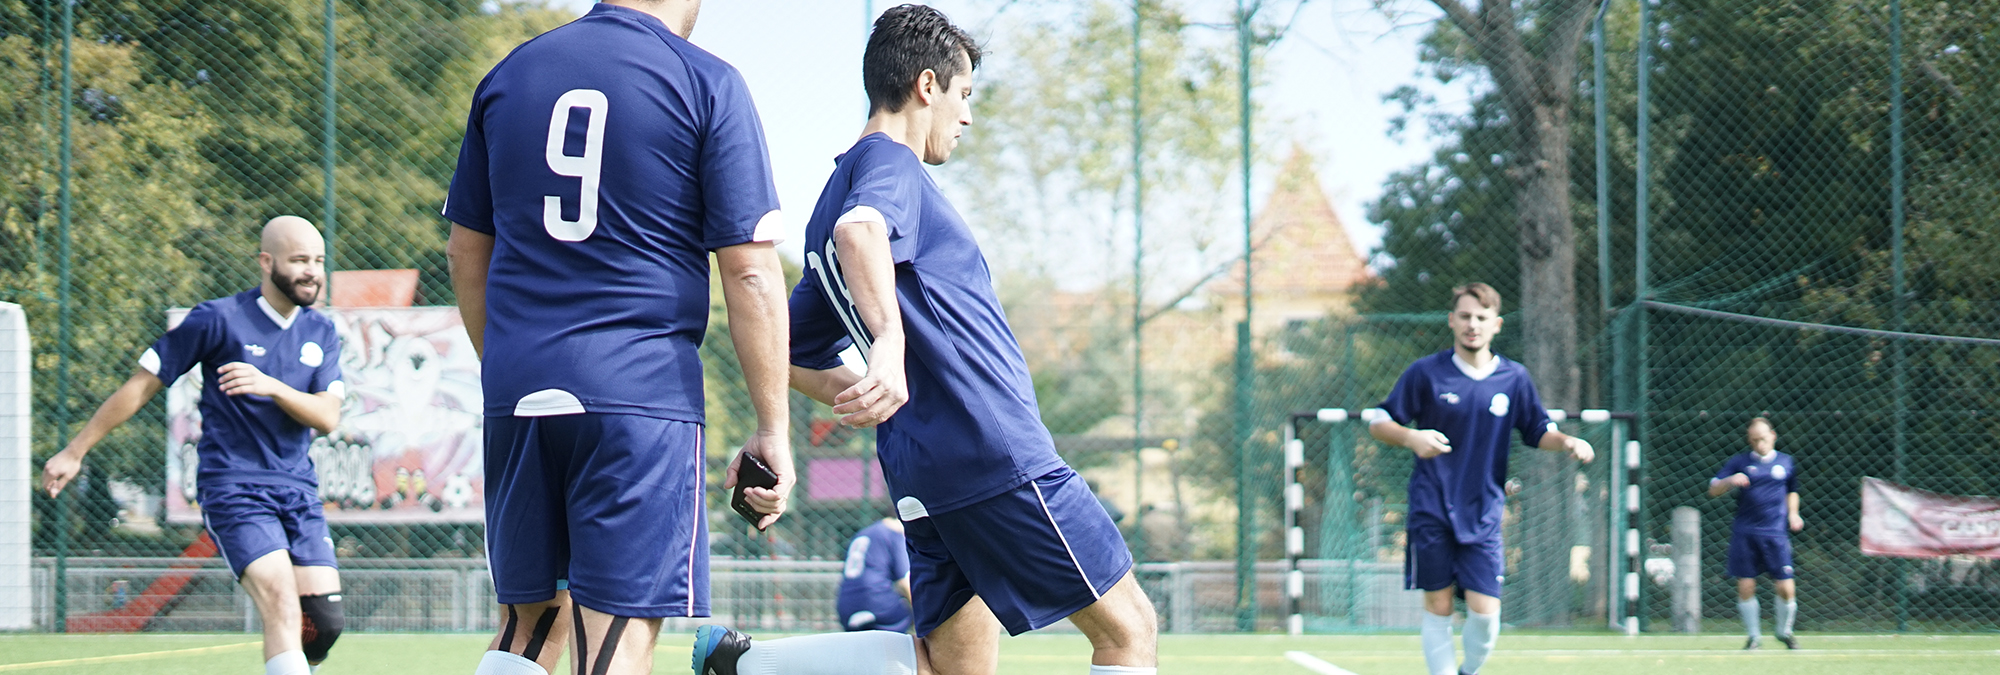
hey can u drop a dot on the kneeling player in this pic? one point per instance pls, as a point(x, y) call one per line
point(875, 582)
point(1459, 407)
point(1767, 505)
point(1001, 532)
point(270, 369)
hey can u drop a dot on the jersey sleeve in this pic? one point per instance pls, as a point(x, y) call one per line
point(180, 349)
point(1407, 398)
point(889, 182)
point(469, 201)
point(818, 336)
point(1730, 467)
point(1531, 418)
point(326, 377)
point(739, 199)
point(1792, 477)
point(899, 560)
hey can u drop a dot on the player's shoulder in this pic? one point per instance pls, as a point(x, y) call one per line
point(878, 151)
point(317, 321)
point(224, 309)
point(1432, 363)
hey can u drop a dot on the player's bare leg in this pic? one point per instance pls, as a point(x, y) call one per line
point(274, 587)
point(1787, 611)
point(321, 620)
point(1746, 605)
point(534, 632)
point(1122, 627)
point(604, 644)
point(968, 643)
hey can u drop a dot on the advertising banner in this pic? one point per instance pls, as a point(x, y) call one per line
point(408, 446)
point(1905, 522)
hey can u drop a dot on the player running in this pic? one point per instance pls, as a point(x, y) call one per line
point(1001, 533)
point(602, 162)
point(270, 377)
point(875, 582)
point(1455, 409)
point(1766, 506)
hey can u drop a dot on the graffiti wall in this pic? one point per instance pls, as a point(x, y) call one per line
point(408, 446)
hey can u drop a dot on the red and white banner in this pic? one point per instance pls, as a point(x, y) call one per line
point(1905, 522)
point(408, 446)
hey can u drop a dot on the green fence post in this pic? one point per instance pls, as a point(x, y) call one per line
point(1138, 302)
point(1246, 510)
point(329, 153)
point(1642, 291)
point(1899, 368)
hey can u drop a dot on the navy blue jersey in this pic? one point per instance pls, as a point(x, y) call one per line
point(1479, 413)
point(248, 438)
point(876, 560)
point(1761, 508)
point(607, 157)
point(971, 428)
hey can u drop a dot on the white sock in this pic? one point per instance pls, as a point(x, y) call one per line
point(1481, 632)
point(288, 663)
point(1748, 608)
point(1788, 610)
point(1439, 656)
point(868, 652)
point(1122, 670)
point(507, 663)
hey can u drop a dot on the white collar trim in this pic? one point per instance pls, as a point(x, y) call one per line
point(284, 322)
point(1474, 372)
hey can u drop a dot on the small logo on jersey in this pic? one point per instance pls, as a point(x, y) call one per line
point(1778, 472)
point(311, 355)
point(254, 350)
point(1448, 398)
point(1788, 570)
point(1499, 407)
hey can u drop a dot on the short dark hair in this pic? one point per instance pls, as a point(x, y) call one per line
point(908, 40)
point(1481, 293)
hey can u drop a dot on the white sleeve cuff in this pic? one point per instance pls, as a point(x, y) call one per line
point(1374, 416)
point(770, 228)
point(862, 214)
point(338, 389)
point(150, 361)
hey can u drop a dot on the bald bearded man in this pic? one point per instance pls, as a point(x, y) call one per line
point(270, 369)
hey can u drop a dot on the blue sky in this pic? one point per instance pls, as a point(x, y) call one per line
point(802, 59)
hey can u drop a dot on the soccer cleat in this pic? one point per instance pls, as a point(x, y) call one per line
point(1791, 642)
point(716, 650)
point(1752, 644)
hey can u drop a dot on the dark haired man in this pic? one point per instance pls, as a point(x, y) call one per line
point(1760, 541)
point(270, 377)
point(603, 162)
point(1454, 410)
point(1001, 533)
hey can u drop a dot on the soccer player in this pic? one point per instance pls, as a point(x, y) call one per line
point(1454, 410)
point(603, 161)
point(270, 377)
point(1001, 533)
point(875, 582)
point(1767, 504)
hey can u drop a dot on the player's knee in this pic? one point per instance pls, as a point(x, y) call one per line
point(321, 624)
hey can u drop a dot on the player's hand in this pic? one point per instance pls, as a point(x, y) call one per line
point(59, 471)
point(1428, 443)
point(1580, 449)
point(1737, 480)
point(776, 451)
point(1797, 523)
point(879, 394)
point(242, 378)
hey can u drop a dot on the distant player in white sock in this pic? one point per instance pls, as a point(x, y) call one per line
point(1767, 511)
point(1472, 396)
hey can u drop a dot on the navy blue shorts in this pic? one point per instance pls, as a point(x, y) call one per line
point(248, 522)
point(1035, 554)
point(611, 503)
point(1753, 554)
point(1434, 559)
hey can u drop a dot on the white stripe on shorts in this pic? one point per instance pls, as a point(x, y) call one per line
point(1094, 595)
point(218, 542)
point(694, 533)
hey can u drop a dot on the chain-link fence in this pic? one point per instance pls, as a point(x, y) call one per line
point(1825, 164)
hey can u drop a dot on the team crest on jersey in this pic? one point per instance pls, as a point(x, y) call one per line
point(1778, 472)
point(311, 355)
point(1449, 398)
point(254, 350)
point(1499, 407)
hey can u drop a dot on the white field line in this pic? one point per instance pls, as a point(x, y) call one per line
point(142, 656)
point(1316, 664)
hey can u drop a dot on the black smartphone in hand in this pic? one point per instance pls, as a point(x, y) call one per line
point(751, 473)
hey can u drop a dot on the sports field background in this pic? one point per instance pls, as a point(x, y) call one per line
point(1811, 238)
point(1070, 654)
